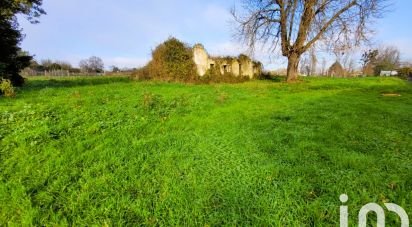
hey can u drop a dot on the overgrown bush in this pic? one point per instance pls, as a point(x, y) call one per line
point(264, 76)
point(172, 61)
point(405, 72)
point(150, 101)
point(141, 74)
point(6, 88)
point(214, 76)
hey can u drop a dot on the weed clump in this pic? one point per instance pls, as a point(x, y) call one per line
point(215, 76)
point(157, 106)
point(151, 101)
point(6, 88)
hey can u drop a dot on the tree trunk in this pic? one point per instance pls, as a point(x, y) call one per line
point(293, 64)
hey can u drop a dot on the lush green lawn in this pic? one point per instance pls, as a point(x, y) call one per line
point(118, 152)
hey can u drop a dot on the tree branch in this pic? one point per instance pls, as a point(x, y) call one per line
point(328, 24)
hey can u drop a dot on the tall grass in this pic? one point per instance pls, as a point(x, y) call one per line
point(108, 151)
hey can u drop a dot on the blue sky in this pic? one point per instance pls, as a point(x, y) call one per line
point(124, 32)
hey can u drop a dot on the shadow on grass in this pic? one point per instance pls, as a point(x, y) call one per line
point(41, 83)
point(275, 79)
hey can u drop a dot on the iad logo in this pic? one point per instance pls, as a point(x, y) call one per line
point(372, 207)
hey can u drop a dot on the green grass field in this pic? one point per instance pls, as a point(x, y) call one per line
point(110, 151)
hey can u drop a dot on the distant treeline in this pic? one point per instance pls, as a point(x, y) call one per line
point(91, 66)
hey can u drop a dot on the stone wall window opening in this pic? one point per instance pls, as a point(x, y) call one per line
point(223, 65)
point(225, 69)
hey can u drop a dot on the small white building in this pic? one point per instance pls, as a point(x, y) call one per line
point(389, 73)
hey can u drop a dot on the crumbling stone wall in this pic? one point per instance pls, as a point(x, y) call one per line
point(201, 59)
point(241, 66)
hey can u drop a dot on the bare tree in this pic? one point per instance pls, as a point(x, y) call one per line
point(115, 69)
point(323, 67)
point(308, 63)
point(384, 58)
point(344, 57)
point(46, 63)
point(387, 59)
point(313, 61)
point(296, 25)
point(64, 65)
point(84, 66)
point(305, 65)
point(96, 64)
point(368, 61)
point(92, 65)
point(351, 66)
point(348, 63)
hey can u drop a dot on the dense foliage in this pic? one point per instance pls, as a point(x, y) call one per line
point(172, 61)
point(405, 72)
point(31, 8)
point(12, 59)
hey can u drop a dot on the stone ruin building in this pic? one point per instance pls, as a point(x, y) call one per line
point(240, 66)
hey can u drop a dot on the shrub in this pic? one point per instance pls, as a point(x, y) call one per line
point(215, 76)
point(157, 106)
point(172, 61)
point(141, 74)
point(6, 88)
point(405, 72)
point(264, 76)
point(151, 101)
